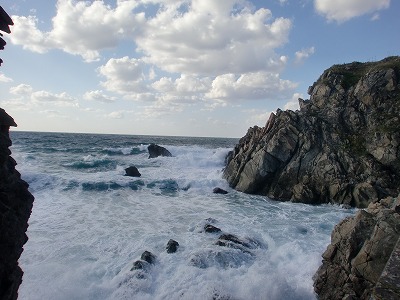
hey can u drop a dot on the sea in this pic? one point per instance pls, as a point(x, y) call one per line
point(90, 223)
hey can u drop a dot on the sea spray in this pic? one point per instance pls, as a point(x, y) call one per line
point(90, 224)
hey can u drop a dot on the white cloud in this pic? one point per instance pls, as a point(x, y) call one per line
point(62, 99)
point(124, 75)
point(115, 115)
point(25, 91)
point(51, 113)
point(189, 51)
point(98, 95)
point(80, 28)
point(213, 37)
point(375, 17)
point(293, 104)
point(26, 33)
point(4, 78)
point(250, 86)
point(344, 10)
point(21, 90)
point(303, 54)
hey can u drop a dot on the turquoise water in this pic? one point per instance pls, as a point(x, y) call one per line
point(90, 223)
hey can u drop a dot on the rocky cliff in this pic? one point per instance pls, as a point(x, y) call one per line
point(363, 259)
point(342, 146)
point(15, 209)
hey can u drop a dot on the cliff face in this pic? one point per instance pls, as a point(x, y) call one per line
point(15, 208)
point(363, 259)
point(342, 146)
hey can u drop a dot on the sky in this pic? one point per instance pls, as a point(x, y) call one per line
point(179, 67)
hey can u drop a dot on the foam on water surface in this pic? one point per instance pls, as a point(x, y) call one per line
point(89, 224)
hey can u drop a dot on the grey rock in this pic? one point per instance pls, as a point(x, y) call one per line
point(361, 260)
point(342, 146)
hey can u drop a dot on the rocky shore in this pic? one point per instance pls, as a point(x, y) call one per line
point(342, 146)
point(15, 209)
point(361, 248)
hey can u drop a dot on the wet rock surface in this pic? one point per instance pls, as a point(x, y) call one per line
point(342, 146)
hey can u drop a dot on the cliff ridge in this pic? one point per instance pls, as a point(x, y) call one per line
point(342, 146)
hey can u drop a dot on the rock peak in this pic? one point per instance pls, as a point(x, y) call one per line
point(342, 146)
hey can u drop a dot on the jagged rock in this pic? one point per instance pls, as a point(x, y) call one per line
point(15, 209)
point(360, 248)
point(132, 171)
point(156, 150)
point(148, 257)
point(228, 239)
point(172, 246)
point(341, 147)
point(218, 190)
point(139, 265)
point(211, 228)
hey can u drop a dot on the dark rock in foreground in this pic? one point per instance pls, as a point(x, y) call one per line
point(132, 171)
point(15, 209)
point(156, 151)
point(341, 147)
point(363, 259)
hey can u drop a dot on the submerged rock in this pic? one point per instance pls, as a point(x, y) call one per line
point(342, 146)
point(156, 151)
point(211, 228)
point(362, 261)
point(218, 190)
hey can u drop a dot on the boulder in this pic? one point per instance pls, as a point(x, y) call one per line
point(156, 151)
point(132, 171)
point(340, 147)
point(148, 257)
point(172, 246)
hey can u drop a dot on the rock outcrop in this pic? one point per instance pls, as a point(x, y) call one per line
point(132, 171)
point(342, 146)
point(363, 259)
point(15, 209)
point(156, 151)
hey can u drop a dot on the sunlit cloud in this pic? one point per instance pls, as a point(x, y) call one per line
point(344, 10)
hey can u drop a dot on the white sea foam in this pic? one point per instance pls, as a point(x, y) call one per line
point(88, 227)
